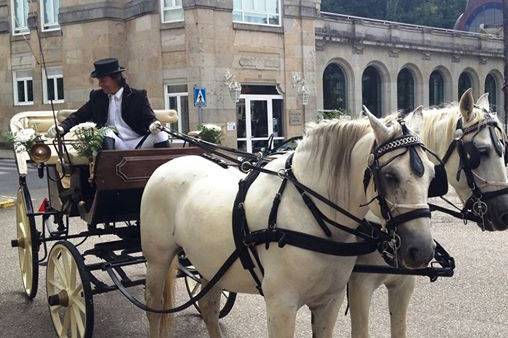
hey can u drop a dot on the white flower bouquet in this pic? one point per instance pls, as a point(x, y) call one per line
point(88, 138)
point(23, 140)
point(210, 132)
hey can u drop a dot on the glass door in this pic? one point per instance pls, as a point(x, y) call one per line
point(258, 116)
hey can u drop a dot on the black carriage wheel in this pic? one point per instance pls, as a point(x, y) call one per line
point(27, 242)
point(69, 292)
point(193, 287)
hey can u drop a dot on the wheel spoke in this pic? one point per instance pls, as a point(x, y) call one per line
point(72, 275)
point(80, 305)
point(59, 269)
point(56, 285)
point(79, 321)
point(74, 331)
point(23, 230)
point(55, 308)
point(65, 324)
point(76, 292)
point(195, 288)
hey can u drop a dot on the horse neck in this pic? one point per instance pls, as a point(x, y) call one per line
point(436, 134)
point(348, 193)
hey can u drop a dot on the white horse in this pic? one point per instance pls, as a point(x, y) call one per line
point(437, 128)
point(188, 202)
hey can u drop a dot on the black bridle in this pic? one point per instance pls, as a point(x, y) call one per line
point(475, 207)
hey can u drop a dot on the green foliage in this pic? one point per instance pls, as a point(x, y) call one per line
point(435, 13)
point(89, 140)
point(210, 133)
point(331, 114)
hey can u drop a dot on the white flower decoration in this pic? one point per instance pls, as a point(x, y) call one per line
point(83, 126)
point(25, 135)
point(212, 127)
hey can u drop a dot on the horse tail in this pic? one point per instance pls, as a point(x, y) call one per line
point(169, 298)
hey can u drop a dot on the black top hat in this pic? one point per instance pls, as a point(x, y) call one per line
point(105, 67)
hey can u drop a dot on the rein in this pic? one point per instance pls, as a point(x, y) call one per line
point(246, 242)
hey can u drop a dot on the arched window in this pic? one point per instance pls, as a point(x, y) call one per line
point(465, 82)
point(371, 90)
point(491, 88)
point(436, 89)
point(334, 88)
point(405, 91)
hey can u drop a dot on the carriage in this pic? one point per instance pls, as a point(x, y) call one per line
point(105, 193)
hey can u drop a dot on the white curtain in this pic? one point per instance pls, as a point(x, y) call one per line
point(20, 14)
point(51, 8)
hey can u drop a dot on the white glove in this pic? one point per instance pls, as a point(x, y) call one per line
point(155, 127)
point(52, 131)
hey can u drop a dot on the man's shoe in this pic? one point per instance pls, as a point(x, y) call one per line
point(108, 143)
point(163, 144)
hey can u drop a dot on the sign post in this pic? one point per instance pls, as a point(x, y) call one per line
point(200, 101)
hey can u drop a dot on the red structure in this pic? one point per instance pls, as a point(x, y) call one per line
point(481, 14)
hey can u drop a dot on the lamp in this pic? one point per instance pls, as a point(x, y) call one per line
point(235, 88)
point(301, 88)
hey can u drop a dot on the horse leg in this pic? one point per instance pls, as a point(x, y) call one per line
point(399, 295)
point(361, 288)
point(159, 294)
point(324, 316)
point(281, 313)
point(210, 310)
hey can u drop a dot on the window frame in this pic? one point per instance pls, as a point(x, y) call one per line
point(163, 9)
point(43, 26)
point(25, 30)
point(178, 96)
point(25, 80)
point(255, 23)
point(55, 84)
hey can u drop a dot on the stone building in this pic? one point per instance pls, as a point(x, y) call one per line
point(268, 65)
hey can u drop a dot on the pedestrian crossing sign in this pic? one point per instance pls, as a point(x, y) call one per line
point(199, 97)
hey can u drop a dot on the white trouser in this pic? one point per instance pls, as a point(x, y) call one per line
point(121, 144)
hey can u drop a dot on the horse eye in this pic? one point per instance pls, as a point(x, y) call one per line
point(484, 151)
point(391, 178)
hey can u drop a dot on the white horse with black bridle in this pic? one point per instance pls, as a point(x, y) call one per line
point(483, 159)
point(188, 204)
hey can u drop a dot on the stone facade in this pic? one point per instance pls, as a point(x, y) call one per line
point(200, 49)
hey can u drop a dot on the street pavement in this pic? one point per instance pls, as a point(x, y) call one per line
point(474, 303)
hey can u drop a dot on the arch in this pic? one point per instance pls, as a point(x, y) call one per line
point(436, 88)
point(375, 95)
point(448, 87)
point(347, 71)
point(405, 90)
point(334, 88)
point(468, 79)
point(418, 82)
point(493, 86)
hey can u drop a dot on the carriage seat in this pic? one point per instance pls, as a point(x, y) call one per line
point(41, 121)
point(164, 115)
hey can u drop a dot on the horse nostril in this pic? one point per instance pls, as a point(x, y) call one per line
point(413, 254)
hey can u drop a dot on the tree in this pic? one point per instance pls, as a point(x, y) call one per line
point(435, 13)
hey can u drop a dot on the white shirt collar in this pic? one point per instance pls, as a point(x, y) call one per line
point(118, 94)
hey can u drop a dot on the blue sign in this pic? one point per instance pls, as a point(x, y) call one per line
point(199, 97)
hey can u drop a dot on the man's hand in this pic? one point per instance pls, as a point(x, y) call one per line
point(53, 130)
point(155, 127)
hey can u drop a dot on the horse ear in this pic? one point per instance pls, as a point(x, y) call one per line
point(466, 105)
point(414, 120)
point(483, 102)
point(381, 132)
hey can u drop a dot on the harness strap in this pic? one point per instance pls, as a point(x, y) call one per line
point(223, 269)
point(309, 242)
point(408, 216)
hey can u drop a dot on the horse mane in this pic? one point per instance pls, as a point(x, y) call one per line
point(330, 144)
point(446, 117)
